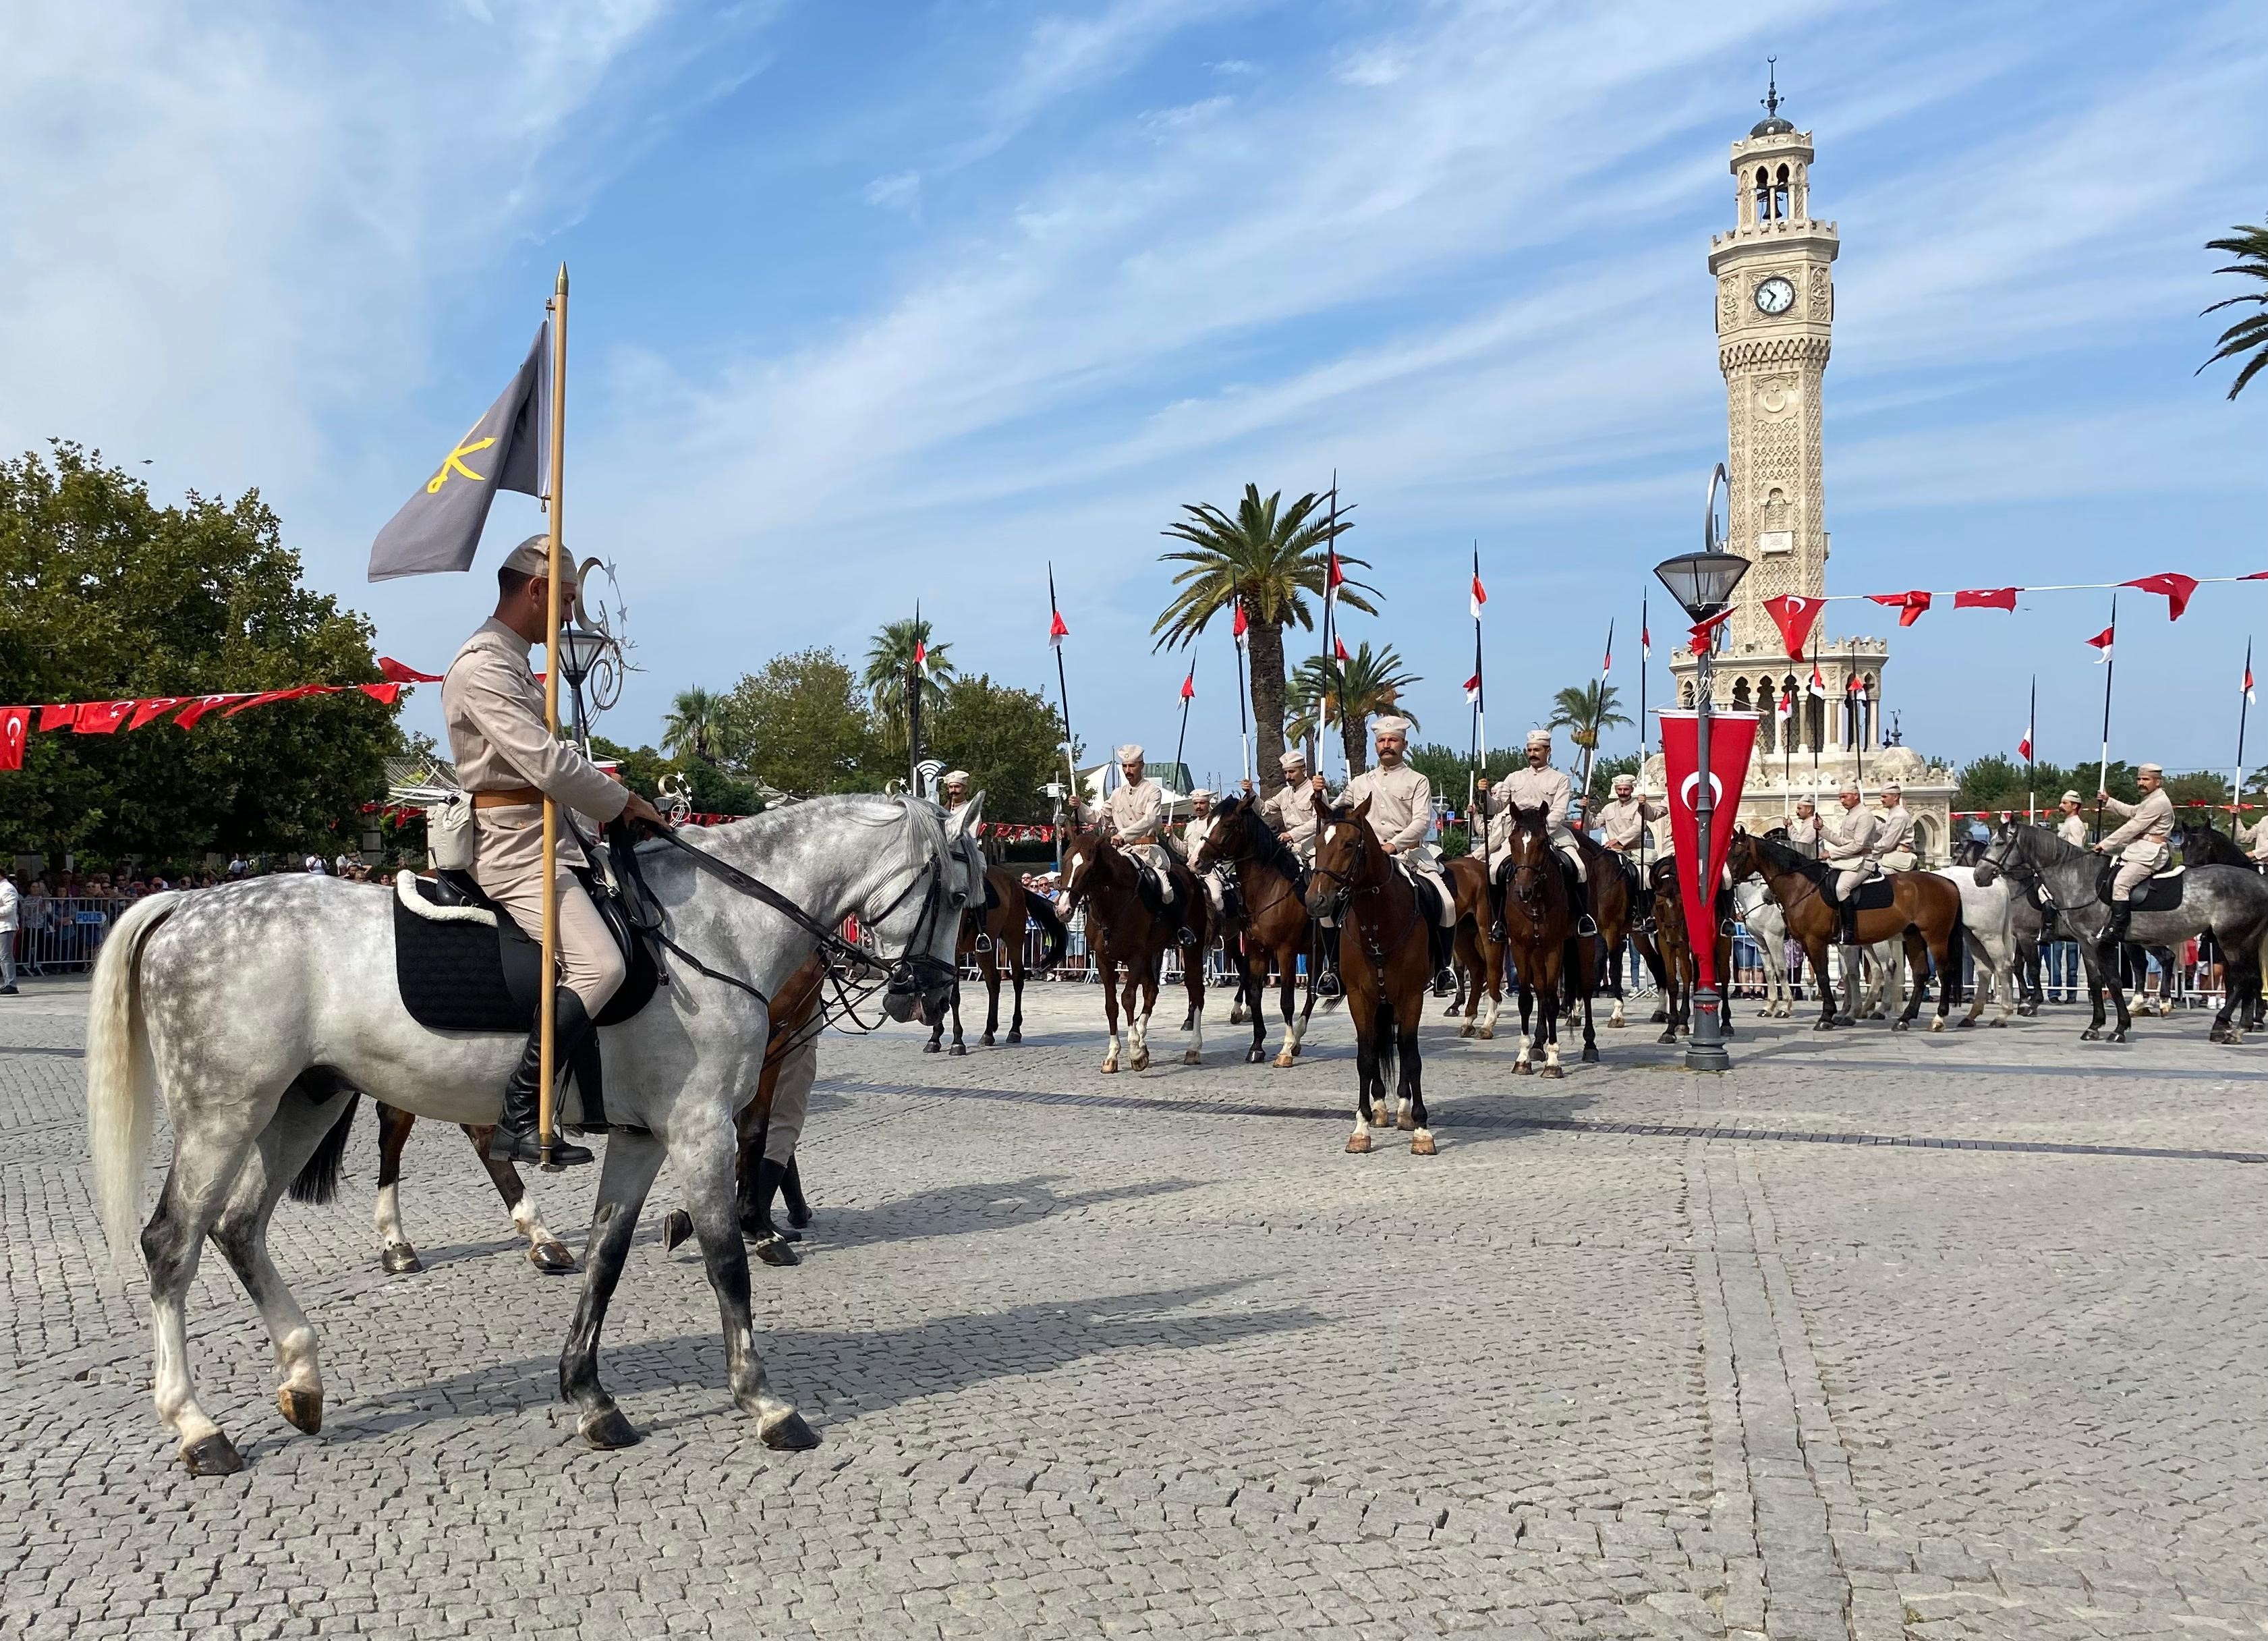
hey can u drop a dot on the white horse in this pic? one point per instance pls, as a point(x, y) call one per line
point(1882, 969)
point(1985, 917)
point(254, 1008)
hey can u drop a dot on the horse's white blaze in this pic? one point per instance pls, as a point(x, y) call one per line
point(1331, 832)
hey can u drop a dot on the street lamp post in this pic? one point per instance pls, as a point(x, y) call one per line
point(1702, 583)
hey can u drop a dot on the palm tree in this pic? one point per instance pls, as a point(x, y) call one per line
point(1269, 557)
point(694, 724)
point(1587, 710)
point(890, 662)
point(2248, 244)
point(1350, 694)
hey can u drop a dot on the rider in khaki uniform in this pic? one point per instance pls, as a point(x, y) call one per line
point(1292, 811)
point(1537, 785)
point(509, 761)
point(1194, 830)
point(1802, 827)
point(1894, 825)
point(1846, 842)
point(2146, 838)
point(1623, 819)
point(1135, 813)
point(2073, 827)
point(1401, 813)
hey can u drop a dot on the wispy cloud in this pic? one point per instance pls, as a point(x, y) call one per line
point(901, 190)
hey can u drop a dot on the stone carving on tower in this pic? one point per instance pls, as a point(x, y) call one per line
point(1775, 317)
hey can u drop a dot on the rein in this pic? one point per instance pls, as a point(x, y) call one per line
point(1375, 944)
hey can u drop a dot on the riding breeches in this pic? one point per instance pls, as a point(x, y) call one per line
point(2131, 876)
point(1847, 880)
point(1215, 887)
point(1154, 856)
point(1563, 840)
point(508, 865)
point(791, 1101)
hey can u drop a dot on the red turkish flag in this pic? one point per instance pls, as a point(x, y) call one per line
point(393, 671)
point(61, 716)
point(1339, 645)
point(1189, 685)
point(186, 718)
point(1909, 606)
point(102, 717)
point(1732, 737)
point(1238, 631)
point(265, 695)
point(1057, 632)
point(387, 693)
point(1793, 616)
point(15, 724)
point(1705, 632)
point(2175, 586)
point(155, 707)
point(1987, 598)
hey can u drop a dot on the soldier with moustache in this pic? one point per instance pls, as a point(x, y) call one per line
point(508, 761)
point(1536, 786)
point(1846, 842)
point(1623, 820)
point(1135, 815)
point(1292, 812)
point(1894, 827)
point(2145, 840)
point(1802, 827)
point(1401, 802)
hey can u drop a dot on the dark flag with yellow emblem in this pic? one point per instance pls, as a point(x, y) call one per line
point(439, 526)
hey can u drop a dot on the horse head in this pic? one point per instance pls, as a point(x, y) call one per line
point(1526, 861)
point(1090, 861)
point(1230, 818)
point(924, 919)
point(1348, 856)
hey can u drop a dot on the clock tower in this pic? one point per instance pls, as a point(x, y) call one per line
point(1775, 324)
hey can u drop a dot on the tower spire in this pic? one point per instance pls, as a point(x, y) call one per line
point(1771, 99)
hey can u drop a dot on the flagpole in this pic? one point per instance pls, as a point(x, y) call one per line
point(1591, 752)
point(1808, 699)
point(1473, 817)
point(548, 980)
point(2109, 667)
point(1645, 647)
point(1331, 609)
point(1189, 694)
point(2032, 752)
point(1063, 689)
point(2244, 702)
point(1243, 721)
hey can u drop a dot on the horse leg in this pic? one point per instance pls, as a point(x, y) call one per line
point(959, 1047)
point(240, 1233)
point(1590, 1035)
point(1949, 980)
point(1016, 983)
point(1193, 979)
point(702, 1155)
point(1110, 1015)
point(545, 1251)
point(211, 1150)
point(1816, 952)
point(395, 1252)
point(1413, 1081)
point(1493, 968)
point(1468, 999)
point(1531, 1030)
point(632, 1160)
point(1142, 982)
point(937, 1033)
point(989, 966)
point(1366, 1069)
point(1547, 1009)
point(1918, 955)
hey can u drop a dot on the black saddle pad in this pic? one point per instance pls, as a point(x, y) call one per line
point(2157, 894)
point(457, 976)
point(1874, 894)
point(1429, 897)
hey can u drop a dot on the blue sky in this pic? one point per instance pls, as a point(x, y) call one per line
point(878, 302)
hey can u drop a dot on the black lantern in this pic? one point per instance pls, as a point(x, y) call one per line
point(579, 650)
point(1702, 582)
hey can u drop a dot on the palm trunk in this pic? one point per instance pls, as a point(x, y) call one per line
point(1267, 639)
point(1354, 735)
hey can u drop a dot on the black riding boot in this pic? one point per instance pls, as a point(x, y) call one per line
point(1578, 897)
point(515, 1140)
point(798, 1211)
point(1497, 932)
point(757, 1216)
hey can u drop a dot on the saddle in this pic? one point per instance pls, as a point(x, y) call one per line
point(1874, 894)
point(1437, 909)
point(2162, 892)
point(463, 964)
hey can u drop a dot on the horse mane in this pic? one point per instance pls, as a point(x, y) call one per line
point(1786, 857)
point(922, 823)
point(1267, 847)
point(2052, 850)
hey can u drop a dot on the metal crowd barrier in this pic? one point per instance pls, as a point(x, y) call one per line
point(61, 934)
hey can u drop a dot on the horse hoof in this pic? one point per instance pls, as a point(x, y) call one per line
point(774, 1251)
point(608, 1431)
point(1406, 1123)
point(1999, 1024)
point(986, 1041)
point(1191, 1057)
point(1379, 1119)
point(1659, 1017)
point(1284, 1060)
point(1937, 1025)
point(400, 1259)
point(211, 1455)
point(1422, 1146)
point(931, 1048)
point(1555, 1072)
point(2090, 1035)
point(2118, 1035)
point(552, 1258)
point(1141, 1061)
point(1013, 1036)
point(676, 1225)
point(1590, 1056)
point(1671, 1037)
point(1824, 1025)
point(1897, 1026)
point(1616, 1025)
point(1357, 1143)
point(958, 1050)
point(789, 1435)
point(302, 1409)
point(1522, 1068)
point(1468, 1030)
point(1109, 1068)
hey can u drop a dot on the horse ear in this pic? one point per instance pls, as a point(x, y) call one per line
point(971, 815)
point(1362, 810)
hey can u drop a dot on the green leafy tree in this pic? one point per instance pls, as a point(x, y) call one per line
point(1587, 711)
point(890, 663)
point(105, 594)
point(694, 724)
point(2248, 338)
point(1271, 558)
point(1009, 741)
point(800, 723)
point(1348, 694)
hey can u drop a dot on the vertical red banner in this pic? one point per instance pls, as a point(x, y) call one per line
point(15, 723)
point(1732, 737)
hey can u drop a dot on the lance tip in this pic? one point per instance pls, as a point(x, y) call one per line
point(563, 279)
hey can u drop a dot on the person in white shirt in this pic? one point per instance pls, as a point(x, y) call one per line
point(10, 916)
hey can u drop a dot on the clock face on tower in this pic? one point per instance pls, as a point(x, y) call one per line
point(1775, 295)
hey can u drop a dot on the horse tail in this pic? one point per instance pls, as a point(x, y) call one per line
point(318, 1181)
point(1055, 939)
point(120, 1079)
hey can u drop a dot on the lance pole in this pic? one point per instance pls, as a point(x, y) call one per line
point(2243, 701)
point(1243, 716)
point(2109, 666)
point(1063, 694)
point(1330, 611)
point(554, 505)
point(1645, 643)
point(2031, 743)
point(1189, 694)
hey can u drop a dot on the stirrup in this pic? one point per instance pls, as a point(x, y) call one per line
point(1327, 983)
point(1585, 925)
point(523, 1147)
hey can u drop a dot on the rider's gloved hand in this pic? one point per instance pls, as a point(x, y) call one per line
point(637, 811)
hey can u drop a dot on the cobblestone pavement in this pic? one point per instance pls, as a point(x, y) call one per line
point(1638, 1354)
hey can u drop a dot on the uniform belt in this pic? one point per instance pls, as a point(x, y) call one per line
point(504, 797)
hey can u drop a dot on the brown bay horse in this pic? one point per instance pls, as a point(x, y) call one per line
point(986, 932)
point(1277, 928)
point(1386, 963)
point(1677, 970)
point(1924, 912)
point(1540, 919)
point(1124, 933)
point(1480, 960)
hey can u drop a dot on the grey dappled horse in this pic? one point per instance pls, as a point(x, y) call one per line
point(2230, 902)
point(252, 1007)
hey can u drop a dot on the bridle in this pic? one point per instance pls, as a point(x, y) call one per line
point(1349, 891)
point(913, 973)
point(1246, 817)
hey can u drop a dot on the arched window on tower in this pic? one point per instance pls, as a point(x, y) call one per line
point(1765, 724)
point(1779, 196)
point(1764, 194)
point(1740, 695)
point(1685, 696)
